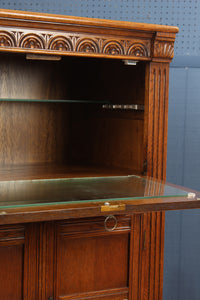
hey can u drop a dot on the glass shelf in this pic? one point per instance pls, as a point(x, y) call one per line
point(26, 193)
point(53, 101)
point(106, 105)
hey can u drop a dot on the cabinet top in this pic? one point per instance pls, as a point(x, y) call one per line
point(62, 19)
point(48, 34)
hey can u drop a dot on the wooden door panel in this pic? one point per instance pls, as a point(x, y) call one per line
point(11, 274)
point(92, 260)
point(93, 263)
point(11, 262)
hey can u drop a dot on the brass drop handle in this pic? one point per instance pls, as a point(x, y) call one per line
point(107, 220)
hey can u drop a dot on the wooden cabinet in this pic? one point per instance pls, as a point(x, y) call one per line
point(83, 117)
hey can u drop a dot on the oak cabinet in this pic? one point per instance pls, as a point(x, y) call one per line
point(83, 121)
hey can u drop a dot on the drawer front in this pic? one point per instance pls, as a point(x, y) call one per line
point(95, 226)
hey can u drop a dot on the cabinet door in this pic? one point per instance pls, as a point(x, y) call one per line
point(11, 262)
point(92, 262)
point(24, 263)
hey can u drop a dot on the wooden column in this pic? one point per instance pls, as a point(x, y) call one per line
point(150, 226)
point(148, 256)
point(156, 116)
point(38, 261)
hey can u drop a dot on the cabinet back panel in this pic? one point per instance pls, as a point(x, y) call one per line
point(32, 133)
point(29, 79)
point(110, 141)
point(106, 80)
point(109, 138)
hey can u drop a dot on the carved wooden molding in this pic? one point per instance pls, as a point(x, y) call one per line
point(164, 49)
point(58, 42)
point(66, 35)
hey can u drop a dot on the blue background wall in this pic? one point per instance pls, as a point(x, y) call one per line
point(182, 237)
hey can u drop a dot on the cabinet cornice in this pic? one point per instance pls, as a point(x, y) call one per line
point(52, 34)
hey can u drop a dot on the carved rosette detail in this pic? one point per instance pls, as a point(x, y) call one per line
point(113, 48)
point(138, 50)
point(60, 43)
point(88, 46)
point(32, 41)
point(7, 39)
point(164, 49)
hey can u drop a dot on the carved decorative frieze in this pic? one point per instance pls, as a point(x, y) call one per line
point(163, 49)
point(85, 43)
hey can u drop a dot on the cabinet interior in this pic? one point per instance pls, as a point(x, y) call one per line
point(79, 132)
